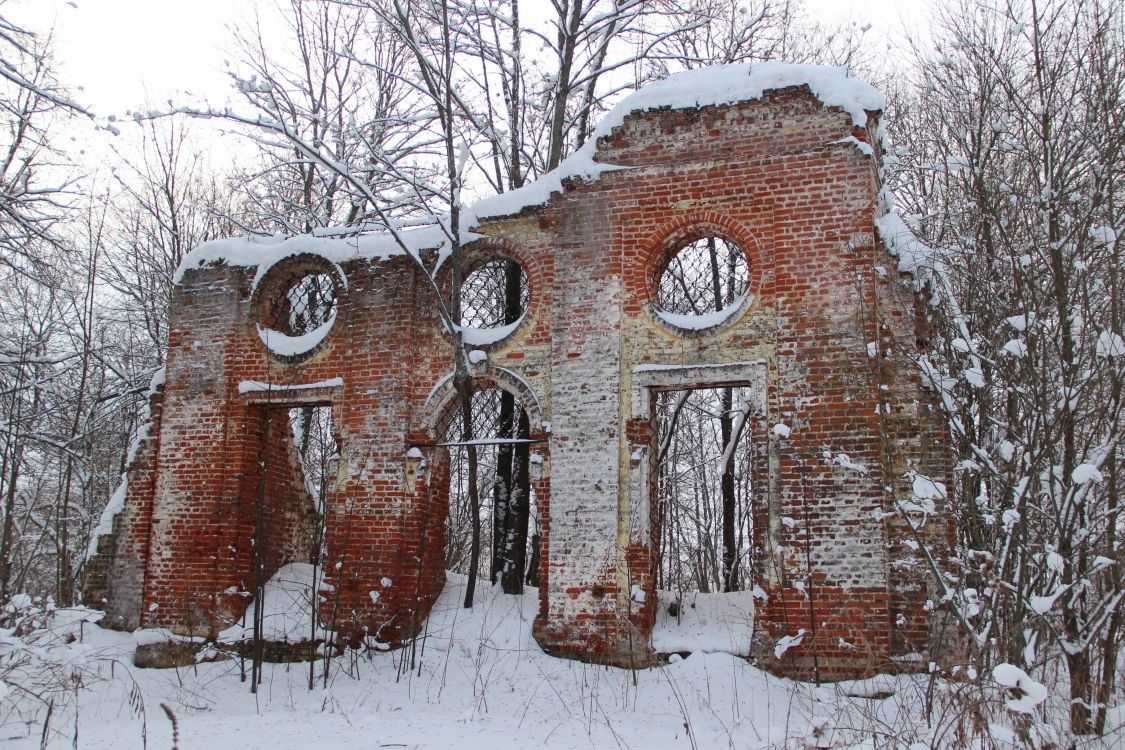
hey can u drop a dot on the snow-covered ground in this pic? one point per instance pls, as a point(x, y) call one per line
point(480, 681)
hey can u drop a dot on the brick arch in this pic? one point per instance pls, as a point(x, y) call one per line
point(273, 277)
point(439, 407)
point(273, 281)
point(479, 252)
point(642, 278)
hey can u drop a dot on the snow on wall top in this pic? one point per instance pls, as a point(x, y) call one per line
point(714, 86)
point(728, 84)
point(262, 251)
point(704, 87)
point(915, 257)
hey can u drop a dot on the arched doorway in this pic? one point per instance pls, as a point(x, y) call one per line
point(496, 538)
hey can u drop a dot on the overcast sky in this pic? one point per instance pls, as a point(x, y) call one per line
point(117, 56)
point(121, 52)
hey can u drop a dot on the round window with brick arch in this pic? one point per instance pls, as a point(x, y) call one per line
point(703, 282)
point(297, 301)
point(494, 298)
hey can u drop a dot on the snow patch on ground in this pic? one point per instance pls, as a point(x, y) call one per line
point(287, 600)
point(476, 681)
point(704, 623)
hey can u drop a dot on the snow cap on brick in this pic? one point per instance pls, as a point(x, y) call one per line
point(714, 86)
point(704, 87)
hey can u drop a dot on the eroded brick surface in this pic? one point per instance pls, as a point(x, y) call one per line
point(825, 342)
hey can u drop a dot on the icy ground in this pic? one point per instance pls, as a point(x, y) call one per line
point(480, 681)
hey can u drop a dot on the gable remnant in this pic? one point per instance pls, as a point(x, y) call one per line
point(779, 162)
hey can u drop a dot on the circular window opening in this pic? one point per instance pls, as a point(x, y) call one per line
point(308, 303)
point(703, 283)
point(297, 302)
point(494, 298)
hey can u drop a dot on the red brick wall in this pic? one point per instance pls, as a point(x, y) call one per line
point(768, 175)
point(114, 577)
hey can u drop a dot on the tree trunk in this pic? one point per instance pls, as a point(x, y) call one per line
point(513, 484)
point(258, 554)
point(519, 512)
point(726, 487)
point(533, 563)
point(9, 518)
point(726, 483)
point(464, 384)
point(568, 36)
point(502, 490)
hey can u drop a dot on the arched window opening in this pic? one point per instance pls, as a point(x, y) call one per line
point(494, 294)
point(703, 277)
point(499, 437)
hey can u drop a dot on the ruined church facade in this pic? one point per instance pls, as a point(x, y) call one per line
point(845, 438)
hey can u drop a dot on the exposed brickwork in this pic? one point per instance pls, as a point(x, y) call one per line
point(823, 341)
point(114, 578)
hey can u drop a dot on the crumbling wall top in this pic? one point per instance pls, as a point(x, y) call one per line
point(713, 86)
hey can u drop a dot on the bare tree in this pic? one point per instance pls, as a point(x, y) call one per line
point(169, 201)
point(33, 194)
point(48, 398)
point(1016, 185)
point(28, 312)
point(430, 34)
point(721, 32)
point(338, 84)
point(62, 394)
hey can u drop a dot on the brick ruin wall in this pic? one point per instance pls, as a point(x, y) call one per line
point(824, 341)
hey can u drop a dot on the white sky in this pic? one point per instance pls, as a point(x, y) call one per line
point(122, 53)
point(115, 54)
